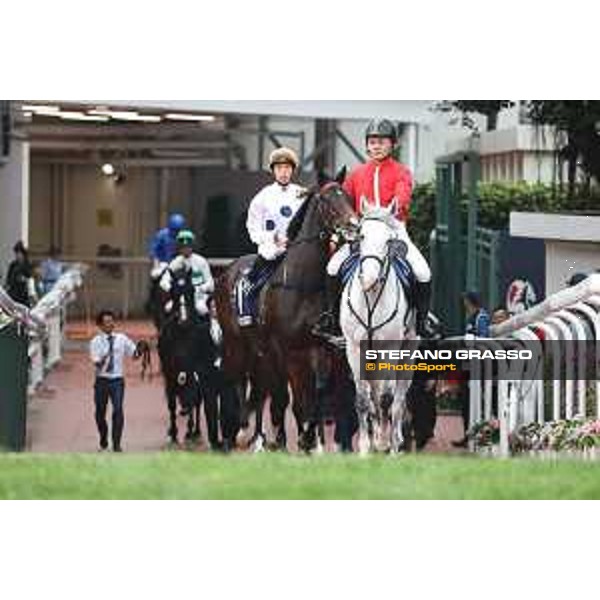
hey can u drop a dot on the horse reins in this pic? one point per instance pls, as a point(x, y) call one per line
point(143, 348)
point(368, 325)
point(321, 235)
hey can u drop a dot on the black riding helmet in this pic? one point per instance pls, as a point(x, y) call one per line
point(381, 128)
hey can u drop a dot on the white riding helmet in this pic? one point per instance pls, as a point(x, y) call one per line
point(283, 156)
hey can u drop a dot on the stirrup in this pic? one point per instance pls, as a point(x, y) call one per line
point(245, 321)
point(336, 341)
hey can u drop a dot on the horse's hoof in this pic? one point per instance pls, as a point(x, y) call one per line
point(258, 444)
point(241, 438)
point(278, 447)
point(227, 446)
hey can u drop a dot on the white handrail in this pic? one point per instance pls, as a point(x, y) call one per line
point(20, 313)
point(44, 322)
point(562, 317)
point(556, 302)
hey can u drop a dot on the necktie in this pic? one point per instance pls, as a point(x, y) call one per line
point(111, 355)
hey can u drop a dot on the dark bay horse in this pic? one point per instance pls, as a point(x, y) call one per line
point(186, 355)
point(279, 350)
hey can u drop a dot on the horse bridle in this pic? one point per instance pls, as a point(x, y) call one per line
point(181, 292)
point(326, 213)
point(385, 265)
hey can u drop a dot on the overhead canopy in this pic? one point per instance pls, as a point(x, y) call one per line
point(407, 111)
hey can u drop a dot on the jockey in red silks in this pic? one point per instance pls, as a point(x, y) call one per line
point(379, 183)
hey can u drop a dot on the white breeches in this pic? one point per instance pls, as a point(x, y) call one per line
point(413, 256)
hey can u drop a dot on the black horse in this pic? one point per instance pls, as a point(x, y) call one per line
point(153, 306)
point(187, 356)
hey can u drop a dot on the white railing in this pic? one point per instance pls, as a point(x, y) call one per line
point(45, 322)
point(571, 315)
point(119, 283)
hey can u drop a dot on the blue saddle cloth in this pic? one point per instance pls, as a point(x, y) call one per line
point(400, 265)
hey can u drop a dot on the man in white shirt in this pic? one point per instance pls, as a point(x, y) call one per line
point(108, 351)
point(269, 216)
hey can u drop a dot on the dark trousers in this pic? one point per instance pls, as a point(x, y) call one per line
point(113, 389)
point(223, 396)
point(422, 406)
point(466, 404)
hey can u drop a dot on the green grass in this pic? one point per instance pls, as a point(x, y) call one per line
point(181, 476)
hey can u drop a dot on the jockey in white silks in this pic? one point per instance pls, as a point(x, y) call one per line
point(201, 276)
point(379, 183)
point(269, 216)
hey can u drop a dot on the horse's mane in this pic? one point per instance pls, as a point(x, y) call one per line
point(298, 219)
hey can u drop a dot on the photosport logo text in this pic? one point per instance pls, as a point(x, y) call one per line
point(509, 359)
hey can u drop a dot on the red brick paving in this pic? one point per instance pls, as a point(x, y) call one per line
point(62, 419)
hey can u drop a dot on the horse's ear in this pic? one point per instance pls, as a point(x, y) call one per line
point(364, 205)
point(393, 207)
point(341, 175)
point(322, 178)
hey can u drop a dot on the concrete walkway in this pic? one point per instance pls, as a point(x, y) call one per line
point(61, 418)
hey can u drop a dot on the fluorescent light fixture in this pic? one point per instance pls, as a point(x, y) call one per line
point(39, 108)
point(79, 116)
point(143, 118)
point(47, 113)
point(112, 113)
point(125, 115)
point(188, 117)
point(107, 169)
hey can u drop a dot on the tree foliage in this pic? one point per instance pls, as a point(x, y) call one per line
point(496, 201)
point(488, 108)
point(580, 121)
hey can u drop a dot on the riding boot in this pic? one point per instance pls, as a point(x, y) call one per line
point(254, 279)
point(423, 295)
point(328, 325)
point(328, 322)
